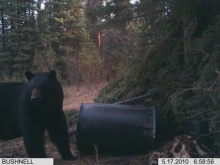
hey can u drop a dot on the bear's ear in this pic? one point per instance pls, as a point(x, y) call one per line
point(52, 75)
point(29, 75)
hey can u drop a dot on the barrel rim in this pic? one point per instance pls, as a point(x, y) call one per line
point(140, 106)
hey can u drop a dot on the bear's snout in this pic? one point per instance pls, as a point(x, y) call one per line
point(36, 96)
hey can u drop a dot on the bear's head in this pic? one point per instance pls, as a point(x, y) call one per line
point(44, 88)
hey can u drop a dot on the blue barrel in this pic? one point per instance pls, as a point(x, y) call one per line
point(115, 129)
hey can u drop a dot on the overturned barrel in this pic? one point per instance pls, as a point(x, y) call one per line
point(115, 129)
point(199, 130)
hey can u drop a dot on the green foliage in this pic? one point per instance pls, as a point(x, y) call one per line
point(180, 90)
point(18, 35)
point(206, 88)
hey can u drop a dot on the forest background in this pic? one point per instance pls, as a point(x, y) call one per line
point(167, 49)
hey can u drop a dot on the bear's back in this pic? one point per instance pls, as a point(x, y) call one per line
point(9, 100)
point(9, 94)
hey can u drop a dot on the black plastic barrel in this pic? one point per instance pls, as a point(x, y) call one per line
point(199, 130)
point(115, 129)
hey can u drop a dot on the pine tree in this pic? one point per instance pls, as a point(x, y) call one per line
point(119, 35)
point(60, 25)
point(18, 35)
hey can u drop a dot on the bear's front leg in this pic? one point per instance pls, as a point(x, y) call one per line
point(57, 128)
point(34, 142)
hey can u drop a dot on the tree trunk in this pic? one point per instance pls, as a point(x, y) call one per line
point(186, 38)
point(3, 25)
point(189, 26)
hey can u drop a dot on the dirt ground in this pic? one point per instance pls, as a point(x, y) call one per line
point(15, 149)
point(74, 96)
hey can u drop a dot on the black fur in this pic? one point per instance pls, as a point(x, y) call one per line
point(28, 109)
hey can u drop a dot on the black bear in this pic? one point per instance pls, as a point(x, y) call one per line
point(28, 109)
